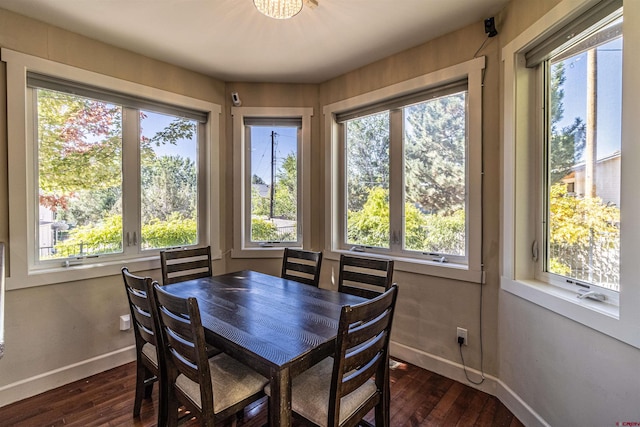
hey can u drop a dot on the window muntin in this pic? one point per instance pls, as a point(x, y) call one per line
point(583, 153)
point(273, 186)
point(85, 210)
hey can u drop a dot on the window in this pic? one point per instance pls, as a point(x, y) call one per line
point(110, 175)
point(406, 173)
point(583, 85)
point(569, 215)
point(270, 162)
point(434, 147)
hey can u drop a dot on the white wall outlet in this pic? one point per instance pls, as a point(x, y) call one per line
point(125, 322)
point(462, 333)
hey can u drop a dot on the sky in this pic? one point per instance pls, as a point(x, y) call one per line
point(155, 122)
point(285, 143)
point(609, 95)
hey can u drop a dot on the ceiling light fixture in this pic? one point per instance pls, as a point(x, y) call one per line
point(279, 9)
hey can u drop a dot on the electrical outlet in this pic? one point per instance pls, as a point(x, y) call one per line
point(125, 322)
point(462, 333)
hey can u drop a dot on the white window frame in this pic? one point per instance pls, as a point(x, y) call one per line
point(243, 247)
point(471, 271)
point(521, 180)
point(25, 271)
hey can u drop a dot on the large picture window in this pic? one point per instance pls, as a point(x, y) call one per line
point(406, 177)
point(434, 176)
point(112, 172)
point(80, 177)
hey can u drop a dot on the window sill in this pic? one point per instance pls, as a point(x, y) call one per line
point(53, 275)
point(602, 317)
point(452, 271)
point(261, 252)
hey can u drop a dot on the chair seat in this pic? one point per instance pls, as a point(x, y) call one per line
point(149, 350)
point(231, 380)
point(310, 394)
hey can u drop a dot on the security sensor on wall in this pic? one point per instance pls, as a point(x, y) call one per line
point(490, 27)
point(235, 99)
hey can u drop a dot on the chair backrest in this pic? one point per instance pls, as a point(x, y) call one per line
point(184, 345)
point(144, 323)
point(179, 265)
point(362, 352)
point(364, 277)
point(302, 266)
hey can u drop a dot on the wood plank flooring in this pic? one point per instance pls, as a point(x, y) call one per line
point(418, 398)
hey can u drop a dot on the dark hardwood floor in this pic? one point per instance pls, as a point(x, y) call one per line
point(418, 398)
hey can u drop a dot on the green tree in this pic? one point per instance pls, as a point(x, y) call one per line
point(175, 230)
point(369, 226)
point(169, 186)
point(582, 228)
point(567, 144)
point(435, 149)
point(286, 189)
point(92, 239)
point(79, 146)
point(367, 157)
point(423, 232)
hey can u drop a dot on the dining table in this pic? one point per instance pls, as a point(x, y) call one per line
point(278, 327)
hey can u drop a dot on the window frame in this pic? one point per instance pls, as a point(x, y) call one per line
point(25, 269)
point(522, 180)
point(472, 270)
point(243, 247)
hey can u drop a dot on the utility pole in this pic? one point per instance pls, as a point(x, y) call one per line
point(591, 151)
point(273, 173)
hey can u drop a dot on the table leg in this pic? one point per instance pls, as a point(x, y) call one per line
point(280, 399)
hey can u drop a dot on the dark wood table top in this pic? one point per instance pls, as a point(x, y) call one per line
point(277, 326)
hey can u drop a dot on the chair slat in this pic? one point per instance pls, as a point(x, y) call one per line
point(302, 266)
point(179, 265)
point(361, 276)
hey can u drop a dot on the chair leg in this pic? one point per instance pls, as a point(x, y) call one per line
point(162, 403)
point(149, 379)
point(172, 409)
point(140, 387)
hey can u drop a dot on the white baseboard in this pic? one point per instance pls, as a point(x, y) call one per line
point(49, 380)
point(519, 407)
point(455, 371)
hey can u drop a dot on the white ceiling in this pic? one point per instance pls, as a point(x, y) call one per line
point(232, 41)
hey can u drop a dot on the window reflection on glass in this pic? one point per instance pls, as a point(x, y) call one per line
point(79, 175)
point(435, 175)
point(583, 159)
point(274, 183)
point(168, 180)
point(367, 176)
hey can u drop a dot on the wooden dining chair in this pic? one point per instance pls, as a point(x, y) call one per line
point(150, 361)
point(364, 277)
point(213, 389)
point(339, 391)
point(302, 266)
point(179, 265)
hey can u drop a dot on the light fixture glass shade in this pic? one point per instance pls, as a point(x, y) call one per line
point(279, 9)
